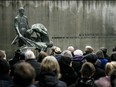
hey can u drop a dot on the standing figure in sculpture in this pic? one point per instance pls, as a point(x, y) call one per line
point(36, 36)
point(21, 25)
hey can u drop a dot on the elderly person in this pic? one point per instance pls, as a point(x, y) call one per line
point(31, 59)
point(77, 60)
point(86, 80)
point(71, 49)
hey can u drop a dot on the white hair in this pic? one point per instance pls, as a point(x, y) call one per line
point(67, 53)
point(71, 48)
point(78, 52)
point(29, 54)
point(88, 47)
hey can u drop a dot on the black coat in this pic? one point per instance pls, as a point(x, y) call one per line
point(84, 82)
point(68, 75)
point(6, 81)
point(98, 73)
point(77, 66)
point(25, 86)
point(49, 79)
point(36, 66)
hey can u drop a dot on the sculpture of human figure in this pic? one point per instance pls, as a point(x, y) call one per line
point(42, 31)
point(24, 33)
point(21, 25)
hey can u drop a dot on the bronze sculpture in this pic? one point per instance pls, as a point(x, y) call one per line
point(25, 34)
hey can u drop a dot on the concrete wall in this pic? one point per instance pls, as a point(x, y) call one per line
point(77, 23)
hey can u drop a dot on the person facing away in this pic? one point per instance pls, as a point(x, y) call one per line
point(50, 73)
point(105, 81)
point(86, 80)
point(113, 78)
point(68, 74)
point(24, 75)
point(5, 79)
point(31, 59)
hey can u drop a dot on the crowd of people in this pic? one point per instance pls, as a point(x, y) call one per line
point(59, 68)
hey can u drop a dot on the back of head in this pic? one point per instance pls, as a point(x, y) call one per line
point(22, 56)
point(113, 78)
point(89, 49)
point(78, 54)
point(64, 61)
point(4, 67)
point(41, 56)
point(114, 49)
point(71, 48)
point(113, 56)
point(91, 58)
point(100, 54)
point(24, 74)
point(87, 70)
point(29, 55)
point(50, 63)
point(67, 53)
point(104, 50)
point(109, 67)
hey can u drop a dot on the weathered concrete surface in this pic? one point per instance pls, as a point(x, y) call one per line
point(77, 23)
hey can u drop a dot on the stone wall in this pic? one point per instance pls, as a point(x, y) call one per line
point(78, 23)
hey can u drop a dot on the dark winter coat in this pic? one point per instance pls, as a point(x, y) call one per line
point(69, 76)
point(49, 79)
point(36, 66)
point(84, 82)
point(6, 81)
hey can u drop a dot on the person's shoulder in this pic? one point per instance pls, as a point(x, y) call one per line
point(61, 84)
point(32, 85)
